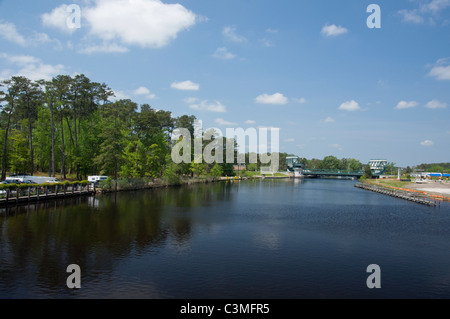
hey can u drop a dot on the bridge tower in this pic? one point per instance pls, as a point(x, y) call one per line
point(378, 167)
point(294, 166)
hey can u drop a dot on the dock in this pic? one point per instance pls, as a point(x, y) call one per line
point(413, 197)
point(39, 194)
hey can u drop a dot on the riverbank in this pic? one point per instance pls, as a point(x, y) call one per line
point(434, 190)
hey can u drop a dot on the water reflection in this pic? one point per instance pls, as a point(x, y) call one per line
point(249, 239)
point(38, 241)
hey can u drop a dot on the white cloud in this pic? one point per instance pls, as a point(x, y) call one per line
point(435, 6)
point(333, 30)
point(411, 16)
point(185, 86)
point(32, 67)
point(104, 48)
point(427, 143)
point(146, 23)
point(428, 10)
point(205, 105)
point(406, 105)
point(224, 54)
point(289, 140)
point(250, 122)
point(119, 95)
point(144, 91)
point(57, 19)
point(441, 70)
point(191, 100)
point(301, 100)
point(276, 98)
point(329, 120)
point(9, 32)
point(350, 106)
point(435, 104)
point(120, 23)
point(222, 122)
point(230, 33)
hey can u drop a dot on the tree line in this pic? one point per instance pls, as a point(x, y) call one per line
point(68, 126)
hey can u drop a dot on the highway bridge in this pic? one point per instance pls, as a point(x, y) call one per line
point(377, 167)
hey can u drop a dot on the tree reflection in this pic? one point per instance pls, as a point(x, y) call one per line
point(39, 241)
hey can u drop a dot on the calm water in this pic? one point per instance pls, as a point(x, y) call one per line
point(256, 239)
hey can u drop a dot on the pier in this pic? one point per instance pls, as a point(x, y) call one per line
point(34, 194)
point(413, 197)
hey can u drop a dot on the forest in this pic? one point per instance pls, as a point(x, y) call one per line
point(69, 127)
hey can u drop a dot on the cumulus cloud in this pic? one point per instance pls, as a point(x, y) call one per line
point(329, 120)
point(250, 122)
point(185, 86)
point(31, 67)
point(350, 106)
point(119, 95)
point(58, 18)
point(333, 30)
point(121, 23)
point(224, 54)
point(435, 104)
point(441, 70)
point(230, 33)
point(406, 105)
point(222, 122)
point(9, 32)
point(146, 23)
point(205, 105)
point(427, 143)
point(144, 91)
point(276, 98)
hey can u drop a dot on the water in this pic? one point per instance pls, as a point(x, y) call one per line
point(272, 239)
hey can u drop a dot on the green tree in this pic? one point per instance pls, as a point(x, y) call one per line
point(217, 171)
point(9, 102)
point(116, 129)
point(367, 172)
point(330, 162)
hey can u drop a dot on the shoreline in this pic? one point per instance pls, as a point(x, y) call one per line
point(432, 190)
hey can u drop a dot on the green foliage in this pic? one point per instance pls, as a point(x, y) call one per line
point(171, 174)
point(216, 171)
point(367, 172)
point(106, 185)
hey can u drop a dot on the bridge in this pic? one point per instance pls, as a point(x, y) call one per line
point(377, 167)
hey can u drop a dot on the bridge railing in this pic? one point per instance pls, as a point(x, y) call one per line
point(331, 171)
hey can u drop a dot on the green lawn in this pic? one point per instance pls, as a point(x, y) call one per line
point(392, 183)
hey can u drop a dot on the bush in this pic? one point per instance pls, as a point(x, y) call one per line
point(106, 185)
point(171, 176)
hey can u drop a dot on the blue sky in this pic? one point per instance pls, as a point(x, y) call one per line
point(311, 68)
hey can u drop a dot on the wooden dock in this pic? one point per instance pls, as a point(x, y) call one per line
point(40, 194)
point(413, 197)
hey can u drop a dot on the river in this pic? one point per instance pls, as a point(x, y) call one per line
point(257, 239)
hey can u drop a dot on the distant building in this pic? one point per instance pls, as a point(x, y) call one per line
point(240, 167)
